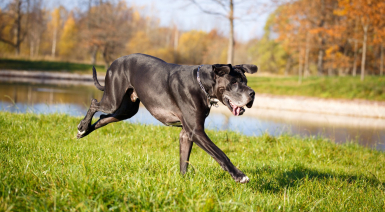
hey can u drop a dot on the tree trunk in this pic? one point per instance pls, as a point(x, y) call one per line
point(307, 72)
point(382, 61)
point(288, 65)
point(320, 59)
point(31, 48)
point(366, 26)
point(53, 52)
point(300, 66)
point(37, 47)
point(94, 51)
point(105, 57)
point(330, 69)
point(354, 72)
point(18, 27)
point(230, 51)
point(176, 39)
point(321, 52)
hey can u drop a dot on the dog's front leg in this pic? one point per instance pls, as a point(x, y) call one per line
point(185, 146)
point(204, 142)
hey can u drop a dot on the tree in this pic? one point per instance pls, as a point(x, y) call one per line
point(268, 53)
point(225, 9)
point(68, 39)
point(369, 14)
point(193, 46)
point(14, 18)
point(55, 24)
point(37, 27)
point(108, 29)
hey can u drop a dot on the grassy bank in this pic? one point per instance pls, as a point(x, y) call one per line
point(126, 166)
point(14, 64)
point(372, 88)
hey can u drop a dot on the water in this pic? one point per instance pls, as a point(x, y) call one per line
point(75, 100)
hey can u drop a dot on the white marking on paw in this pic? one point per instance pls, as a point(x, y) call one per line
point(244, 179)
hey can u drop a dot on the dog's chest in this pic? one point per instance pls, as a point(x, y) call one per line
point(167, 117)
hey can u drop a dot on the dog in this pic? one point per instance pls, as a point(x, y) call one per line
point(176, 95)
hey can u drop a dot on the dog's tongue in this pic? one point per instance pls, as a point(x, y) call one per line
point(236, 110)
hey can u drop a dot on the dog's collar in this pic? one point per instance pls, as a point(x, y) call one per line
point(212, 101)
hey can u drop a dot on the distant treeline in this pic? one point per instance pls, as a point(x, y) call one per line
point(306, 37)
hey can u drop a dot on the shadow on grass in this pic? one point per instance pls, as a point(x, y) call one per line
point(276, 180)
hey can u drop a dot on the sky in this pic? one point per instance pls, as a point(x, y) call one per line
point(189, 17)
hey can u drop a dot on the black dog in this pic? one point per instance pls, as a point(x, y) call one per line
point(176, 95)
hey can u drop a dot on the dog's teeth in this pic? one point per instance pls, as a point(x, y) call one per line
point(81, 132)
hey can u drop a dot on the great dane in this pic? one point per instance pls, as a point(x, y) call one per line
point(176, 95)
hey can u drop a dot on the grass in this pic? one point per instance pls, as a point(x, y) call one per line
point(123, 166)
point(372, 88)
point(15, 64)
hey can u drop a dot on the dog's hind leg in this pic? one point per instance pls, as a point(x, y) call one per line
point(86, 122)
point(126, 110)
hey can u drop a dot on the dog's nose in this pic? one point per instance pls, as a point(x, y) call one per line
point(252, 94)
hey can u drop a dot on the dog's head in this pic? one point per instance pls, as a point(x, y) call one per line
point(231, 86)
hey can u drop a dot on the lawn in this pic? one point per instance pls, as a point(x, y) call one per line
point(372, 88)
point(123, 166)
point(29, 65)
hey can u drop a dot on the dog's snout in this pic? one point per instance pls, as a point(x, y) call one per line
point(251, 94)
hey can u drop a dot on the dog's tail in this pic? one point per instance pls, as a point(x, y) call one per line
point(96, 82)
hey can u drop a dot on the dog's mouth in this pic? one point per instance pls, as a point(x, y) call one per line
point(235, 109)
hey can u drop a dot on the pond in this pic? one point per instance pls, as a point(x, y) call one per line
point(75, 100)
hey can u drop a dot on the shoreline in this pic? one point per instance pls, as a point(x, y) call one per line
point(272, 105)
point(24, 76)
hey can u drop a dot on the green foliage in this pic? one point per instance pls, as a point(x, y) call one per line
point(373, 88)
point(43, 167)
point(267, 52)
point(46, 65)
point(269, 55)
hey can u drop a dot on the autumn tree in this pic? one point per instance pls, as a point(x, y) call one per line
point(293, 33)
point(14, 23)
point(369, 14)
point(55, 25)
point(193, 46)
point(106, 27)
point(68, 38)
point(37, 26)
point(268, 53)
point(226, 9)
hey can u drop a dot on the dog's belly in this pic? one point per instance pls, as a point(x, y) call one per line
point(165, 116)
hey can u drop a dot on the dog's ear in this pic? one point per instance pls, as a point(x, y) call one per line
point(249, 68)
point(222, 69)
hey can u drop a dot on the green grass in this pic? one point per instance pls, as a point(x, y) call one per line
point(372, 88)
point(135, 167)
point(46, 66)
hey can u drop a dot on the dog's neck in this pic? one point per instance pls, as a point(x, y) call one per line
point(206, 82)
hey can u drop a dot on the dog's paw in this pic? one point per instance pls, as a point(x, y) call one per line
point(244, 179)
point(81, 130)
point(241, 178)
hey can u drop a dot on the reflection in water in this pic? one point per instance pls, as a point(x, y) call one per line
point(75, 100)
